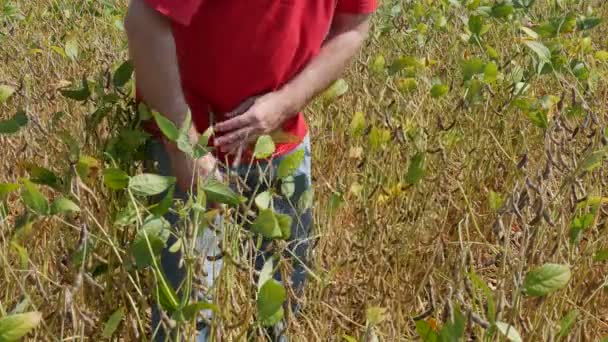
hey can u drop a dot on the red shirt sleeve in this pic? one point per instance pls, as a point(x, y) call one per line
point(357, 6)
point(180, 11)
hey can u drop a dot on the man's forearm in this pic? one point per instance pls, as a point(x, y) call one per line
point(152, 49)
point(341, 46)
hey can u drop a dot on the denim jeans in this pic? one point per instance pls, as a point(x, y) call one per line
point(298, 244)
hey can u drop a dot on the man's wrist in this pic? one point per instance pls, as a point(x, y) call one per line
point(291, 100)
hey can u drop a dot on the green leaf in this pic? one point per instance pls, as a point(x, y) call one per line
point(593, 160)
point(202, 148)
point(508, 331)
point(357, 124)
point(157, 231)
point(306, 200)
point(267, 225)
point(439, 90)
point(115, 179)
point(148, 184)
point(588, 23)
point(71, 48)
point(546, 279)
point(166, 126)
point(475, 24)
point(22, 253)
point(290, 163)
point(539, 119)
point(87, 167)
point(601, 255)
point(402, 63)
point(164, 293)
point(264, 147)
point(416, 169)
point(495, 200)
point(113, 322)
point(14, 124)
point(541, 50)
point(190, 311)
point(337, 89)
point(284, 221)
point(123, 74)
point(288, 186)
point(501, 10)
point(453, 330)
point(407, 84)
point(81, 94)
point(6, 92)
point(14, 327)
point(274, 319)
point(270, 300)
point(263, 200)
point(41, 175)
point(378, 137)
point(63, 205)
point(348, 338)
point(220, 193)
point(426, 332)
point(34, 199)
point(566, 324)
point(602, 56)
point(481, 285)
point(472, 67)
point(7, 188)
point(144, 112)
point(165, 204)
point(378, 64)
point(490, 72)
point(266, 273)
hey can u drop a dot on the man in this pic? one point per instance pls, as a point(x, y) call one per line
point(245, 67)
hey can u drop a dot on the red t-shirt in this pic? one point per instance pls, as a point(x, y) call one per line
point(230, 50)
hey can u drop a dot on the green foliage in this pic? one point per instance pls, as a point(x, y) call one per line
point(123, 74)
point(546, 279)
point(290, 164)
point(115, 178)
point(113, 322)
point(63, 205)
point(14, 327)
point(14, 124)
point(81, 94)
point(264, 147)
point(6, 92)
point(148, 184)
point(34, 199)
point(149, 241)
point(416, 169)
point(219, 192)
point(271, 297)
point(567, 323)
point(509, 332)
point(337, 89)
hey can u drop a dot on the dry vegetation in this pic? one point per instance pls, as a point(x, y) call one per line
point(428, 204)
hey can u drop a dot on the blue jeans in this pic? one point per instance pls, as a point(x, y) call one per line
point(299, 243)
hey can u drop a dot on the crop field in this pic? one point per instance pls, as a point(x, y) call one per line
point(459, 175)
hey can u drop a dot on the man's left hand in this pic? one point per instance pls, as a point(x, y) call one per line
point(254, 117)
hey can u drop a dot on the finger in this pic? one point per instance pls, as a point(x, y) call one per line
point(232, 138)
point(233, 124)
point(235, 148)
point(242, 108)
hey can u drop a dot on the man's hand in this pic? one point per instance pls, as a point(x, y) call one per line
point(186, 170)
point(254, 117)
point(264, 114)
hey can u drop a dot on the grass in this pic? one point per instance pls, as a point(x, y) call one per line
point(505, 182)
